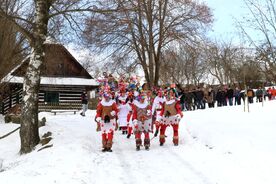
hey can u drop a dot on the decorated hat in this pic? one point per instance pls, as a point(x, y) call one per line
point(169, 90)
point(122, 87)
point(142, 95)
point(105, 91)
point(160, 91)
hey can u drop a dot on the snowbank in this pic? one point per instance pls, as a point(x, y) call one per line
point(217, 146)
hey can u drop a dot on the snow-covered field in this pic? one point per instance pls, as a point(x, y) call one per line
point(217, 146)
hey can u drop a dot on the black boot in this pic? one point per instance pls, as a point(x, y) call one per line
point(175, 140)
point(109, 150)
point(156, 133)
point(104, 149)
point(138, 144)
point(147, 144)
point(109, 146)
point(104, 142)
point(162, 140)
point(128, 136)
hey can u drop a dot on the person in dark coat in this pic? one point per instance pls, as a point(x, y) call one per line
point(211, 98)
point(259, 95)
point(199, 98)
point(219, 98)
point(182, 99)
point(237, 96)
point(230, 94)
point(190, 100)
point(224, 97)
point(242, 96)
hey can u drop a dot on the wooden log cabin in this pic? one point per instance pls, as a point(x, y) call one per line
point(63, 80)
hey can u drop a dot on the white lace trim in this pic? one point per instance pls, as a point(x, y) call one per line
point(170, 102)
point(109, 103)
point(122, 98)
point(141, 105)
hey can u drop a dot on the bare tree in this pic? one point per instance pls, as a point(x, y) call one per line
point(261, 20)
point(184, 65)
point(35, 31)
point(249, 72)
point(144, 28)
point(221, 61)
point(12, 49)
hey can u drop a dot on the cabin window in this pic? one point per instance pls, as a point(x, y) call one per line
point(51, 96)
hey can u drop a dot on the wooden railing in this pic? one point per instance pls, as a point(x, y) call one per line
point(44, 106)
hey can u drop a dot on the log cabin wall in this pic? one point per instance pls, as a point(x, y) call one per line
point(60, 97)
point(12, 96)
point(50, 97)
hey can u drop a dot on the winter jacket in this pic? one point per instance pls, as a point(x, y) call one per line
point(190, 97)
point(84, 98)
point(259, 92)
point(230, 93)
point(250, 93)
point(199, 95)
point(211, 96)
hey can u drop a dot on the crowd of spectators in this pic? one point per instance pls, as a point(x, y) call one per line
point(198, 98)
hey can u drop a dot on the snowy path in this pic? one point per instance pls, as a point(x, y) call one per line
point(77, 158)
point(211, 151)
point(126, 165)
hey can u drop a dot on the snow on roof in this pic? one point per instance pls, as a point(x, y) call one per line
point(50, 80)
point(56, 81)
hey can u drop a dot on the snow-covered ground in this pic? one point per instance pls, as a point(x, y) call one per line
point(217, 146)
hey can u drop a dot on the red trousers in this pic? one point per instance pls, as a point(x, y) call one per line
point(157, 125)
point(129, 130)
point(163, 130)
point(107, 136)
point(138, 135)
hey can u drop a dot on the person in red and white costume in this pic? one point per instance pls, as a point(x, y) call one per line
point(171, 115)
point(106, 120)
point(142, 119)
point(156, 110)
point(130, 100)
point(124, 109)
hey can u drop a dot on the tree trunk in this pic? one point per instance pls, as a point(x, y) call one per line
point(29, 126)
point(157, 71)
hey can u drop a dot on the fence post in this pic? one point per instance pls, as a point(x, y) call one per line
point(1, 107)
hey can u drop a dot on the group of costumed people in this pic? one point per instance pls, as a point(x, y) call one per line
point(137, 111)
